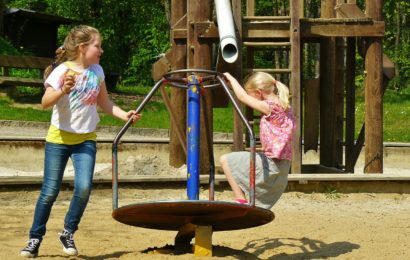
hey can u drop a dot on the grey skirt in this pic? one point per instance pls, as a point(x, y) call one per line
point(271, 176)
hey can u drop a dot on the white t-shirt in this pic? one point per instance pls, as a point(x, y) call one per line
point(77, 111)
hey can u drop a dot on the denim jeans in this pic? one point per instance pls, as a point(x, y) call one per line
point(56, 157)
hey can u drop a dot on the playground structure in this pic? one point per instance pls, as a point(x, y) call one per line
point(192, 217)
point(192, 35)
point(328, 102)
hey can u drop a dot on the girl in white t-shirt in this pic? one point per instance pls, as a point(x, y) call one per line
point(74, 87)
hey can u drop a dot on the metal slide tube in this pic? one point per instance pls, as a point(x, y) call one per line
point(226, 28)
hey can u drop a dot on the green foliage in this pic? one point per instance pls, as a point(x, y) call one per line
point(134, 32)
point(397, 40)
point(6, 48)
point(332, 193)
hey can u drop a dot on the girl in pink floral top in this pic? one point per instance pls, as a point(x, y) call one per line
point(271, 98)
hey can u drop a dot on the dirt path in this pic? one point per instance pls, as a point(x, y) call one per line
point(307, 226)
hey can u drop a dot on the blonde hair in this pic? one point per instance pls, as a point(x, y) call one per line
point(266, 83)
point(81, 34)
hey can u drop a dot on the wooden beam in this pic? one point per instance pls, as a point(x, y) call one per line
point(250, 7)
point(323, 29)
point(296, 166)
point(309, 28)
point(350, 103)
point(199, 57)
point(327, 92)
point(374, 96)
point(349, 10)
point(177, 60)
point(311, 119)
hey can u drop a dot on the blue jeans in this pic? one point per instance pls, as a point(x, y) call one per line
point(56, 157)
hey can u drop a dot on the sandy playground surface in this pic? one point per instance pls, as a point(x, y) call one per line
point(307, 226)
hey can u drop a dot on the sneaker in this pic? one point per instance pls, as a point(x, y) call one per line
point(31, 250)
point(67, 240)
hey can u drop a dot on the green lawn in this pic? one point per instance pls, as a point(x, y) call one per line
point(396, 110)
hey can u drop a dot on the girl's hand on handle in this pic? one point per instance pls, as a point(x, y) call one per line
point(133, 114)
point(229, 77)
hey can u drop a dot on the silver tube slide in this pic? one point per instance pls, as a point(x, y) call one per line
point(228, 44)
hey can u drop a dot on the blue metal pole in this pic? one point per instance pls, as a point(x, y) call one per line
point(193, 130)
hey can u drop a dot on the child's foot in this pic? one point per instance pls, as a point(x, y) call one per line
point(67, 240)
point(31, 250)
point(241, 201)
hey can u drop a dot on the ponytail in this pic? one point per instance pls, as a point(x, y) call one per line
point(59, 58)
point(283, 94)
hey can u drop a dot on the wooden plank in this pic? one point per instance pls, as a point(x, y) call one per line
point(250, 7)
point(267, 29)
point(349, 10)
point(206, 30)
point(311, 118)
point(375, 29)
point(24, 62)
point(309, 28)
point(15, 81)
point(388, 67)
point(267, 44)
point(266, 18)
point(277, 71)
point(296, 165)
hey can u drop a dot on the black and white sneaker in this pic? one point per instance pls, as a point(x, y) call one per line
point(31, 250)
point(67, 240)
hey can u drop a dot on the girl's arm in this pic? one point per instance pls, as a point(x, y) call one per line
point(51, 95)
point(105, 103)
point(245, 98)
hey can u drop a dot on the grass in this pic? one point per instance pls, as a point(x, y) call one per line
point(155, 115)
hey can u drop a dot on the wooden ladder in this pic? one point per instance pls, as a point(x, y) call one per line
point(291, 47)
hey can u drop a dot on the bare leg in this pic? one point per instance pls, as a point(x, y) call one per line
point(237, 191)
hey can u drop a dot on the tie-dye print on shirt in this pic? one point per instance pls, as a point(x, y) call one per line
point(77, 111)
point(86, 89)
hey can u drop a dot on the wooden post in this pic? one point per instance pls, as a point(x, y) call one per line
point(199, 57)
point(374, 96)
point(295, 86)
point(250, 8)
point(177, 156)
point(328, 120)
point(237, 73)
point(350, 102)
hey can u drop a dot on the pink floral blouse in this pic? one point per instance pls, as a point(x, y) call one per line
point(276, 132)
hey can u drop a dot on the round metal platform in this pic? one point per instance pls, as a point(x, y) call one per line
point(172, 215)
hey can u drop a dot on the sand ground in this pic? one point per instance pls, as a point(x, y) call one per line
point(307, 226)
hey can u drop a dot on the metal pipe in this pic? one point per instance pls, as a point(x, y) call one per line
point(226, 28)
point(194, 109)
point(252, 142)
point(117, 140)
